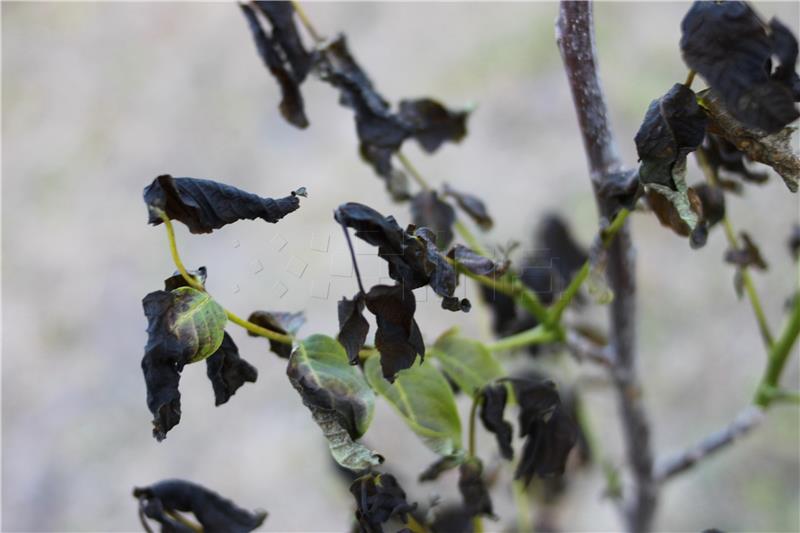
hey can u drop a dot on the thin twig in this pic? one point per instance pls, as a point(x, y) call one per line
point(582, 349)
point(353, 259)
point(680, 462)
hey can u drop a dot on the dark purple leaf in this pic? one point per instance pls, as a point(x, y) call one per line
point(473, 489)
point(491, 412)
point(472, 206)
point(228, 371)
point(279, 322)
point(430, 211)
point(398, 338)
point(379, 498)
point(353, 327)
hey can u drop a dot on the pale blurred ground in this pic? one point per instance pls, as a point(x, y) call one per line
point(99, 98)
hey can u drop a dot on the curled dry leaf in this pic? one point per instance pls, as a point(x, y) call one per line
point(398, 338)
point(214, 512)
point(228, 371)
point(205, 205)
point(723, 157)
point(727, 44)
point(747, 255)
point(477, 264)
point(472, 206)
point(353, 327)
point(473, 488)
point(430, 211)
point(283, 323)
point(379, 497)
point(493, 405)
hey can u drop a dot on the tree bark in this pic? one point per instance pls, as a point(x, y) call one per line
point(575, 38)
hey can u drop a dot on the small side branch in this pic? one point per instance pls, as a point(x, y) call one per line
point(748, 419)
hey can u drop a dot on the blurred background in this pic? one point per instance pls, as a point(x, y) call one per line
point(99, 98)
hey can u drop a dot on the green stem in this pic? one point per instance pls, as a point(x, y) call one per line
point(306, 22)
point(521, 504)
point(411, 169)
point(780, 395)
point(689, 79)
point(778, 355)
point(537, 335)
point(192, 281)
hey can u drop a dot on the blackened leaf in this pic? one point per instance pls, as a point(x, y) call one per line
point(440, 466)
point(353, 327)
point(272, 55)
point(227, 371)
point(177, 280)
point(379, 498)
point(712, 210)
point(432, 123)
point(673, 127)
point(184, 326)
point(723, 156)
point(471, 205)
point(284, 31)
point(550, 432)
point(205, 205)
point(451, 519)
point(338, 396)
point(775, 150)
point(424, 399)
point(747, 255)
point(430, 211)
point(442, 277)
point(398, 338)
point(619, 190)
point(491, 412)
point(214, 512)
point(468, 362)
point(794, 242)
point(476, 263)
point(784, 46)
point(728, 45)
point(284, 323)
point(473, 489)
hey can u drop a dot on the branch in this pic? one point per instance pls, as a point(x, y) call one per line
point(683, 461)
point(575, 37)
point(582, 349)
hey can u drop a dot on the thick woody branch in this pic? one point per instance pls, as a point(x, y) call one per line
point(741, 425)
point(575, 36)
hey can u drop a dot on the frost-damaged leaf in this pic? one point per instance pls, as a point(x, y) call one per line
point(398, 338)
point(272, 54)
point(214, 512)
point(469, 363)
point(284, 31)
point(747, 255)
point(430, 211)
point(378, 499)
point(284, 323)
point(176, 280)
point(491, 411)
point(227, 371)
point(729, 46)
point(184, 326)
point(338, 396)
point(773, 149)
point(205, 205)
point(440, 466)
point(353, 327)
point(723, 156)
point(794, 242)
point(712, 211)
point(432, 123)
point(443, 277)
point(673, 127)
point(550, 432)
point(473, 489)
point(472, 206)
point(476, 263)
point(424, 399)
point(619, 190)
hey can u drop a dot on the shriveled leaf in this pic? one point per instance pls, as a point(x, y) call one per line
point(747, 255)
point(442, 276)
point(424, 399)
point(205, 205)
point(468, 362)
point(214, 512)
point(430, 211)
point(493, 404)
point(472, 206)
point(347, 452)
point(432, 123)
point(284, 31)
point(280, 62)
point(398, 338)
point(177, 280)
point(379, 497)
point(476, 263)
point(440, 466)
point(727, 44)
point(794, 242)
point(673, 127)
point(723, 157)
point(473, 488)
point(712, 211)
point(227, 371)
point(619, 190)
point(279, 322)
point(775, 150)
point(353, 327)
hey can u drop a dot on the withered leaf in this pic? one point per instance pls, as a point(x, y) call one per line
point(379, 497)
point(353, 327)
point(712, 211)
point(279, 322)
point(794, 242)
point(747, 255)
point(472, 206)
point(228, 371)
point(214, 512)
point(430, 211)
point(398, 338)
point(673, 127)
point(284, 31)
point(473, 488)
point(440, 466)
point(177, 280)
point(432, 123)
point(205, 205)
point(281, 62)
point(476, 263)
point(722, 155)
point(491, 412)
point(727, 44)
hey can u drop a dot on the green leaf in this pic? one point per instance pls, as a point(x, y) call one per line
point(340, 400)
point(467, 362)
point(422, 396)
point(198, 322)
